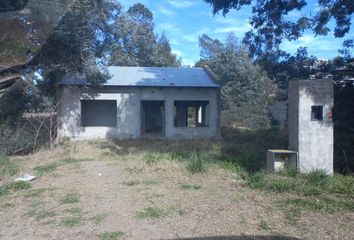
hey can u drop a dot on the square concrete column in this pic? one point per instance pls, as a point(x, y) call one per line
point(310, 123)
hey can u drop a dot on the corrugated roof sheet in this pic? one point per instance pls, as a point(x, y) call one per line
point(153, 77)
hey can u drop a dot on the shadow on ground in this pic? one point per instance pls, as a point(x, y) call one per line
point(243, 237)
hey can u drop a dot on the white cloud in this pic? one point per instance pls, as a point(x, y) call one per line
point(177, 52)
point(182, 3)
point(236, 29)
point(169, 27)
point(166, 11)
point(193, 38)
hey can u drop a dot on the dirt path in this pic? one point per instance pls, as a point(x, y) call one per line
point(129, 198)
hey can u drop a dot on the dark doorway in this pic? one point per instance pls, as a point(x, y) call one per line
point(152, 118)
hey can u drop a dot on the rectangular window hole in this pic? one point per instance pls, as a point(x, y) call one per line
point(317, 113)
point(98, 113)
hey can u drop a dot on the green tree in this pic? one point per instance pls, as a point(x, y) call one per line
point(136, 44)
point(271, 23)
point(246, 89)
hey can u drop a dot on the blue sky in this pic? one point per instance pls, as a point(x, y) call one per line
point(183, 21)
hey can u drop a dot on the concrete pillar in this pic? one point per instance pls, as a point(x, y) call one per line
point(310, 123)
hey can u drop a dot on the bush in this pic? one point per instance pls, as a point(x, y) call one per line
point(18, 137)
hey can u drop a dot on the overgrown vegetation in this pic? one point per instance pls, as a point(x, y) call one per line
point(7, 166)
point(8, 188)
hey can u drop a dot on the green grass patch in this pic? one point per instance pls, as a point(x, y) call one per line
point(7, 166)
point(11, 187)
point(70, 198)
point(46, 168)
point(257, 180)
point(324, 204)
point(111, 235)
point(316, 177)
point(71, 221)
point(197, 163)
point(152, 212)
point(98, 218)
point(190, 187)
point(283, 185)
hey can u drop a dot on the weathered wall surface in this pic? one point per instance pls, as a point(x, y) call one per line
point(129, 111)
point(313, 139)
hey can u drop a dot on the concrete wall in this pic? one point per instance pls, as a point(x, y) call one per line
point(129, 111)
point(312, 139)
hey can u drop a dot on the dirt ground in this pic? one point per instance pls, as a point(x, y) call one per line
point(123, 195)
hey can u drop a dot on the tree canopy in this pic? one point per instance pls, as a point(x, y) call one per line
point(245, 87)
point(271, 22)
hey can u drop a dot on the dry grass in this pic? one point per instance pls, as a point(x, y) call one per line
point(144, 189)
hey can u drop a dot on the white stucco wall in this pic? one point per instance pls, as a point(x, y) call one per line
point(128, 111)
point(312, 139)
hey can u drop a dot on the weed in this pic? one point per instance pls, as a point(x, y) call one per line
point(45, 168)
point(153, 157)
point(111, 235)
point(7, 166)
point(71, 221)
point(98, 218)
point(132, 183)
point(13, 187)
point(70, 198)
point(292, 172)
point(283, 185)
point(342, 184)
point(325, 204)
point(316, 177)
point(152, 212)
point(230, 165)
point(264, 225)
point(197, 163)
point(257, 180)
point(312, 190)
point(190, 187)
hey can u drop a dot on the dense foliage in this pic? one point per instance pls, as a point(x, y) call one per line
point(271, 22)
point(246, 89)
point(89, 36)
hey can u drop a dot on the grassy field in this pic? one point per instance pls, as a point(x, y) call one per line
point(156, 189)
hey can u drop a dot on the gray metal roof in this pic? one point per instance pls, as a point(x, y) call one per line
point(153, 77)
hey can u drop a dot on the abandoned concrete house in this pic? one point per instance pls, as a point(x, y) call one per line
point(141, 101)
